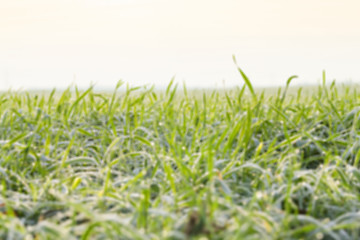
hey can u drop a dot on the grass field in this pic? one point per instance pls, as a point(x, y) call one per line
point(142, 164)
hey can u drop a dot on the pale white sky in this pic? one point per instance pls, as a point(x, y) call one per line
point(54, 43)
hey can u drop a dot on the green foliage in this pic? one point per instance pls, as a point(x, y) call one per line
point(143, 164)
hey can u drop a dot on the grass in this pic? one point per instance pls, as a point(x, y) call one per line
point(139, 164)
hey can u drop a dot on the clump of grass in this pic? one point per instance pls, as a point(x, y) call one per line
point(139, 164)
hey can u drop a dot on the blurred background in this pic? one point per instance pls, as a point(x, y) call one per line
point(46, 44)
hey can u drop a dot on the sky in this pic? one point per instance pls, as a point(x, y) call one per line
point(58, 43)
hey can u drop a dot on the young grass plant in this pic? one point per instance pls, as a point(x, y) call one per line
point(144, 164)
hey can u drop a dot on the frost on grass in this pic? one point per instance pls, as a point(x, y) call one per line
point(143, 164)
